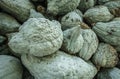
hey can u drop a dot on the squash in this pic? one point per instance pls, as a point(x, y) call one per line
point(18, 8)
point(111, 73)
point(86, 4)
point(10, 67)
point(43, 37)
point(55, 7)
point(8, 24)
point(71, 19)
point(114, 7)
point(108, 32)
point(98, 14)
point(105, 56)
point(90, 44)
point(72, 40)
point(58, 66)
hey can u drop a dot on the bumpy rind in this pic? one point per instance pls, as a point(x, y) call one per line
point(98, 14)
point(72, 40)
point(90, 44)
point(58, 66)
point(70, 20)
point(43, 37)
point(108, 32)
point(61, 6)
point(105, 56)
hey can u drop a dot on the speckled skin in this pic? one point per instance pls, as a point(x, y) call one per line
point(37, 36)
point(71, 19)
point(105, 56)
point(61, 6)
point(98, 14)
point(108, 32)
point(90, 44)
point(72, 40)
point(58, 66)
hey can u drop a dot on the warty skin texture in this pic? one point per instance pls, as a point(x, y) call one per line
point(98, 14)
point(43, 37)
point(58, 66)
point(108, 32)
point(90, 44)
point(72, 40)
point(105, 56)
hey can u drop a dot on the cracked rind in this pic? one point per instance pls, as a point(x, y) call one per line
point(90, 44)
point(72, 40)
point(105, 56)
point(10, 67)
point(111, 73)
point(61, 6)
point(19, 8)
point(8, 24)
point(59, 66)
point(38, 37)
point(98, 14)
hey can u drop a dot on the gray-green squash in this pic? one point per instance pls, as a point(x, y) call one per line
point(90, 44)
point(59, 66)
point(8, 24)
point(10, 67)
point(55, 7)
point(18, 8)
point(72, 40)
point(114, 7)
point(98, 14)
point(111, 73)
point(71, 19)
point(105, 56)
point(43, 37)
point(108, 32)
